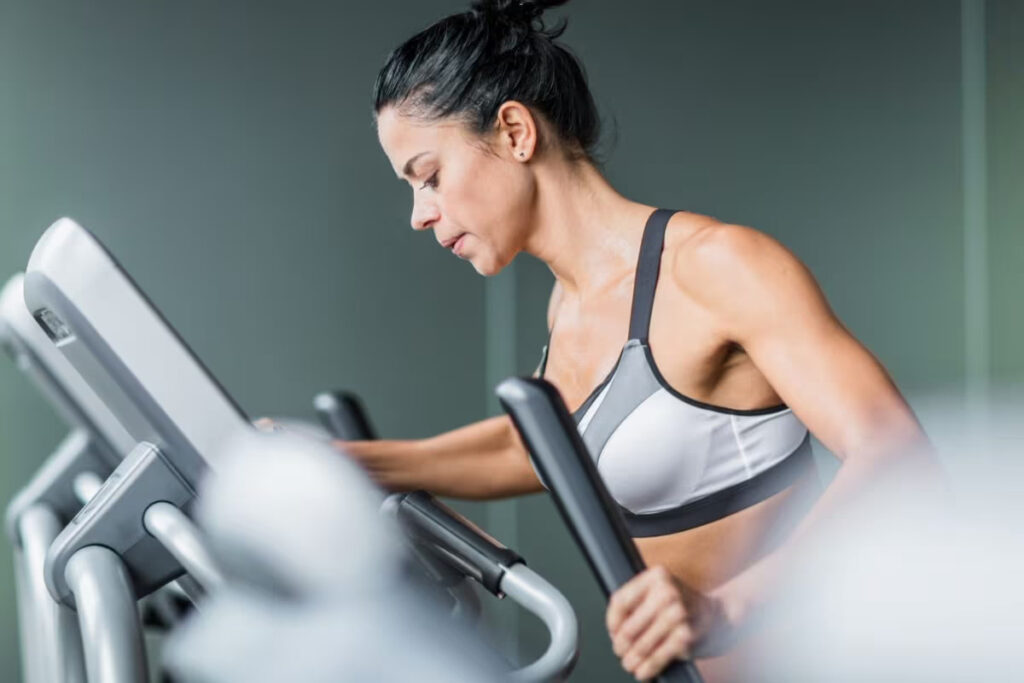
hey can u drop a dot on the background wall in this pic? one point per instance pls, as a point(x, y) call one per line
point(225, 152)
point(1005, 123)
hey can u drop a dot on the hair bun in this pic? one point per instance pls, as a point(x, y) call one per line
point(523, 12)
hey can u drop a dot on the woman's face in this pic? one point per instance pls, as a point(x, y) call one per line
point(470, 190)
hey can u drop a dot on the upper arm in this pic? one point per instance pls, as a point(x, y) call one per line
point(768, 302)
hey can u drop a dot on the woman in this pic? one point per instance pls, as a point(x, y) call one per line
point(697, 354)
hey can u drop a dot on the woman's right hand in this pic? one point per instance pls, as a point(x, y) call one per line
point(380, 459)
point(655, 619)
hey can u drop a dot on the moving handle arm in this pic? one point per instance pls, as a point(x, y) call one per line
point(462, 546)
point(501, 571)
point(343, 415)
point(583, 500)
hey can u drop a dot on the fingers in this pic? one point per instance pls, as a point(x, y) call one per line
point(669, 630)
point(364, 453)
point(630, 595)
point(624, 638)
point(650, 623)
point(677, 644)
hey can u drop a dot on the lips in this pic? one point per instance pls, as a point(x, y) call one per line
point(450, 242)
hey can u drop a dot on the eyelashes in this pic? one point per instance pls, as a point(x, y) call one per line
point(430, 182)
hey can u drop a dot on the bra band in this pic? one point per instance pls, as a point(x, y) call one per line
point(727, 501)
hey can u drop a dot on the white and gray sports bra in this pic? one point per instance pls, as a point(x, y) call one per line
point(671, 462)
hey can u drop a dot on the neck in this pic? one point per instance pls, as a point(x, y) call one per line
point(584, 230)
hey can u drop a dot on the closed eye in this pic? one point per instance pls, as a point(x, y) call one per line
point(430, 182)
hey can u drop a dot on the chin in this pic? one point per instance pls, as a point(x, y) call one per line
point(486, 270)
point(487, 265)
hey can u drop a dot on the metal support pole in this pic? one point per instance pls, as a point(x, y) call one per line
point(108, 616)
point(54, 640)
point(182, 539)
point(26, 620)
point(86, 484)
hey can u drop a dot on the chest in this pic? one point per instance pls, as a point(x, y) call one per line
point(586, 341)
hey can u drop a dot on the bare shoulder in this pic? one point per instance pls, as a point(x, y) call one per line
point(706, 245)
point(737, 270)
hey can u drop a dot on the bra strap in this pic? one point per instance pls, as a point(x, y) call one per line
point(647, 267)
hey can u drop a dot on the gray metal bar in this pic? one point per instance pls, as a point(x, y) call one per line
point(113, 519)
point(467, 603)
point(183, 540)
point(533, 592)
point(111, 630)
point(52, 482)
point(55, 640)
point(85, 485)
point(188, 587)
point(26, 620)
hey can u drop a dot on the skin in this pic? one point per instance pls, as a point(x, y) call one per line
point(738, 322)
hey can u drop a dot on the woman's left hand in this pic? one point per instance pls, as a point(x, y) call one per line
point(655, 618)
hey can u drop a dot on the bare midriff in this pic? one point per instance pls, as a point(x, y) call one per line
point(707, 556)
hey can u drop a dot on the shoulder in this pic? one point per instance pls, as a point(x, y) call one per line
point(729, 267)
point(708, 247)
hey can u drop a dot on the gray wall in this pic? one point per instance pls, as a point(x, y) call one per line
point(1006, 180)
point(224, 151)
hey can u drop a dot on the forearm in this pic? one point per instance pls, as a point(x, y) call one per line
point(900, 466)
point(483, 460)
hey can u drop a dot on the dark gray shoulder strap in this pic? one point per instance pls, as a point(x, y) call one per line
point(647, 266)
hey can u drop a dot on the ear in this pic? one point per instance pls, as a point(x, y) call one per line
point(517, 131)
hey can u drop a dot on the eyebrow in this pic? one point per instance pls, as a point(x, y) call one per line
point(407, 169)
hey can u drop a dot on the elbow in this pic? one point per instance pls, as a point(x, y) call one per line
point(884, 436)
point(897, 450)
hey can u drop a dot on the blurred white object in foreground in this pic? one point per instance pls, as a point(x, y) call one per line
point(316, 591)
point(903, 590)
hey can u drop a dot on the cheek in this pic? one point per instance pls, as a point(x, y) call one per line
point(481, 186)
point(497, 193)
point(471, 198)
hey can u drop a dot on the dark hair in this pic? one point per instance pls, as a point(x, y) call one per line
point(469, 64)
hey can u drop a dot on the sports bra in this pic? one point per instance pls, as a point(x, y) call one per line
point(672, 462)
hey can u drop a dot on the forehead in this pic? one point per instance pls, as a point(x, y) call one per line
point(403, 136)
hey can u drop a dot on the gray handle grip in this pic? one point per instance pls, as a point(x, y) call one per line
point(583, 500)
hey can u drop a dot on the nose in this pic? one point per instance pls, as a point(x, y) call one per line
point(425, 213)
